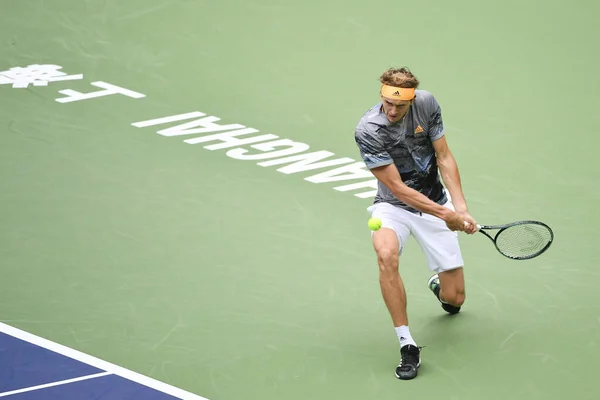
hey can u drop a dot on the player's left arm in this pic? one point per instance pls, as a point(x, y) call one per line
point(445, 160)
point(451, 177)
point(450, 174)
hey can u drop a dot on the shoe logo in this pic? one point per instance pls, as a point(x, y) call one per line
point(419, 129)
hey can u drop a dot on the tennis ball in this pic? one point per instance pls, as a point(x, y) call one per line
point(374, 224)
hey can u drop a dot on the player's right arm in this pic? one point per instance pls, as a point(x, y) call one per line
point(381, 164)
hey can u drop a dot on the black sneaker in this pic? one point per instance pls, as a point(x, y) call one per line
point(434, 286)
point(410, 361)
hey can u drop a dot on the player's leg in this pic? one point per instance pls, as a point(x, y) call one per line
point(449, 287)
point(452, 287)
point(444, 258)
point(388, 243)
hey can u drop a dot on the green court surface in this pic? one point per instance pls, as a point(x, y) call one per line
point(237, 281)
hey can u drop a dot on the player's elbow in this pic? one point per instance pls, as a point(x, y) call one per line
point(445, 160)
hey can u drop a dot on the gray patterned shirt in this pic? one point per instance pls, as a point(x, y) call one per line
point(407, 144)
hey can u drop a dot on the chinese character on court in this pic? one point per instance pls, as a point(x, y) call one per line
point(36, 75)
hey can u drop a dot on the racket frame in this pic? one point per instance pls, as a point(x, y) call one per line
point(501, 228)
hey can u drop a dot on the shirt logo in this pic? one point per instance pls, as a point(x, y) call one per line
point(419, 129)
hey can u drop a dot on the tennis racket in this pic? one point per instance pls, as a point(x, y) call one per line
point(520, 240)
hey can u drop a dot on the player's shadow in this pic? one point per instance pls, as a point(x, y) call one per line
point(454, 336)
point(443, 337)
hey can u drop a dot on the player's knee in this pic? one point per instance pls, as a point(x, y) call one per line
point(459, 299)
point(387, 259)
point(456, 298)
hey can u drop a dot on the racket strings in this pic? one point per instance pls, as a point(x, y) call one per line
point(523, 241)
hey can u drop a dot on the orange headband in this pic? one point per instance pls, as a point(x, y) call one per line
point(397, 93)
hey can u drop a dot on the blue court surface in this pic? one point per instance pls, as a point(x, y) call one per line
point(34, 368)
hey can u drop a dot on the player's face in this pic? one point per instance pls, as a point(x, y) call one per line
point(395, 110)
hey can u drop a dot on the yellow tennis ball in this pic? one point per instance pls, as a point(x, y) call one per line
point(374, 224)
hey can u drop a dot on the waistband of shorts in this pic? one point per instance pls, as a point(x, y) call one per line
point(411, 209)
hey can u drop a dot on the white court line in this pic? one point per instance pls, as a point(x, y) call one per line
point(98, 363)
point(47, 385)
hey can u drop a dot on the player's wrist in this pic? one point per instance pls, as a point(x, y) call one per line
point(461, 210)
point(446, 214)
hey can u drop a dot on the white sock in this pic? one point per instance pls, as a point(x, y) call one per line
point(404, 336)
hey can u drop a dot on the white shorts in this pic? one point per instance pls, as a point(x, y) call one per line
point(439, 243)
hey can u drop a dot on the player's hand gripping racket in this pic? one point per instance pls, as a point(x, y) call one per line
point(520, 240)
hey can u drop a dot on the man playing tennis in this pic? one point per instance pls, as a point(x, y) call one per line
point(402, 141)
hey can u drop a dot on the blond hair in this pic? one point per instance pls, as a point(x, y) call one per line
point(399, 77)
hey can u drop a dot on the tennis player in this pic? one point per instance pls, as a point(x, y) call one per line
point(401, 140)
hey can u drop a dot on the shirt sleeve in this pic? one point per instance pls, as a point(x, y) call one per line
point(435, 124)
point(372, 149)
